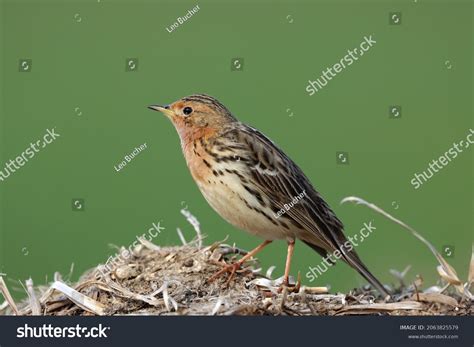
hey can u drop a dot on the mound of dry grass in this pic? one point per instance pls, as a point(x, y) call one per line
point(172, 281)
point(155, 280)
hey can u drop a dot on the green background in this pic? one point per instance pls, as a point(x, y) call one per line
point(81, 64)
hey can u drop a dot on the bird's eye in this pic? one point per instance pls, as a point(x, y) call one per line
point(187, 111)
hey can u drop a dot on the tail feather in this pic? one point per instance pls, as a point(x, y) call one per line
point(353, 260)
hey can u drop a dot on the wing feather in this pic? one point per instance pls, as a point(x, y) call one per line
point(279, 180)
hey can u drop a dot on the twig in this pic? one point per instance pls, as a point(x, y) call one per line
point(181, 236)
point(269, 272)
point(405, 305)
point(34, 303)
point(436, 297)
point(150, 245)
point(416, 292)
point(7, 296)
point(314, 290)
point(283, 298)
point(71, 270)
point(400, 275)
point(58, 277)
point(195, 223)
point(306, 301)
point(445, 270)
point(80, 299)
point(470, 276)
point(168, 299)
point(3, 306)
point(125, 293)
point(217, 306)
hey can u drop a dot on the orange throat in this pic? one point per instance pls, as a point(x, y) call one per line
point(189, 134)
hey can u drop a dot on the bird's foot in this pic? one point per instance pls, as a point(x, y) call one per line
point(290, 288)
point(232, 268)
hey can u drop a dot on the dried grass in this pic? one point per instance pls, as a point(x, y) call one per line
point(158, 280)
point(172, 281)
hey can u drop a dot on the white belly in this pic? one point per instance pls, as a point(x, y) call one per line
point(225, 198)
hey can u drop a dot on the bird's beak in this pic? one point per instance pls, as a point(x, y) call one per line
point(163, 109)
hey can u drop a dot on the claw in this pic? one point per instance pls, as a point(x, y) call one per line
point(291, 289)
point(232, 268)
point(298, 283)
point(235, 267)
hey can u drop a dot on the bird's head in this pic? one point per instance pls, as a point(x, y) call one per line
point(196, 114)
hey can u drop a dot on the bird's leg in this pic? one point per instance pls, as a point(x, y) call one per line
point(232, 268)
point(289, 255)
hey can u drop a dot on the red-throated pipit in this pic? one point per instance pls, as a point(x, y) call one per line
point(254, 186)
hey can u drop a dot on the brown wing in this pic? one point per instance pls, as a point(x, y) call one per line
point(278, 179)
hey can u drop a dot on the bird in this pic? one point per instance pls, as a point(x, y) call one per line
point(252, 184)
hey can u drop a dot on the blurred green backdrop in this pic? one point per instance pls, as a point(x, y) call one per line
point(79, 84)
